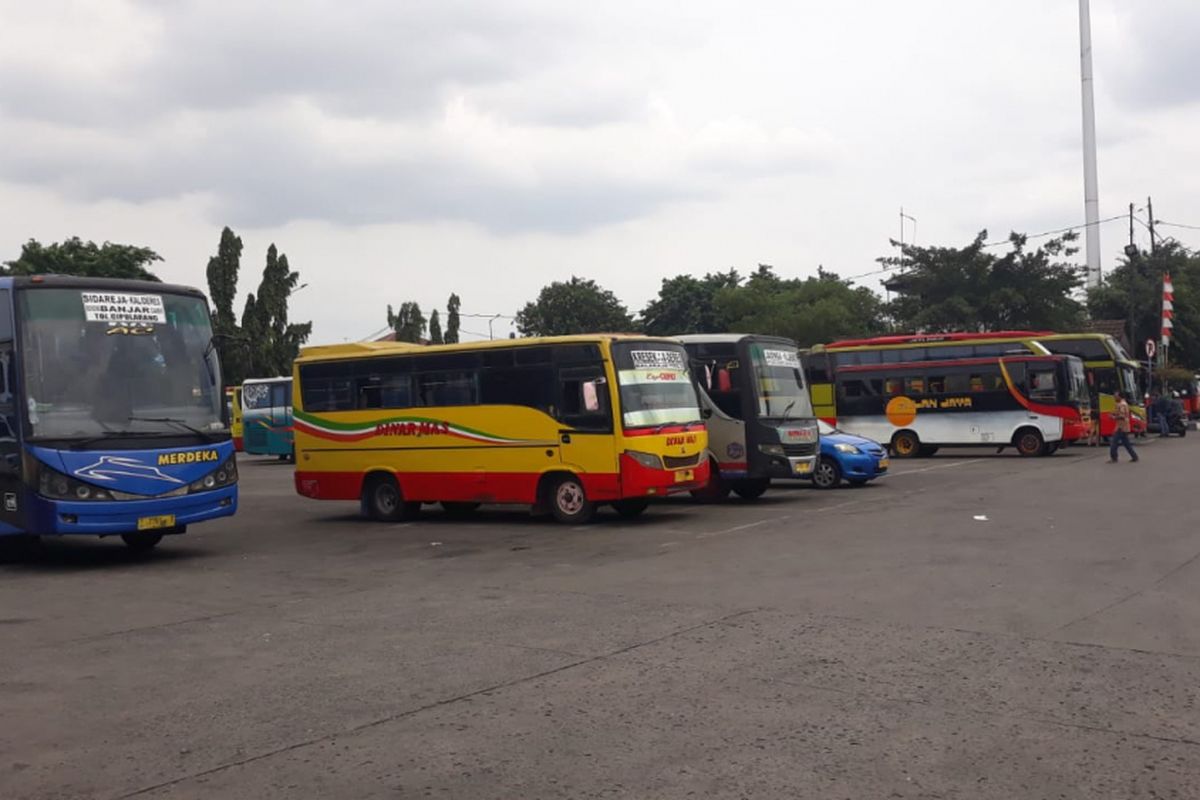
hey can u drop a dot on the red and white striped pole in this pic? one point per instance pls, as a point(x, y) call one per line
point(1168, 314)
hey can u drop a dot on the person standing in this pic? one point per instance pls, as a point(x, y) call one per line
point(1160, 407)
point(1121, 430)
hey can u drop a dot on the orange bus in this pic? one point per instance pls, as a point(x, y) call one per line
point(563, 424)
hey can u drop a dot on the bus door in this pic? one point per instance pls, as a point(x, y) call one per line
point(585, 410)
point(278, 412)
point(721, 394)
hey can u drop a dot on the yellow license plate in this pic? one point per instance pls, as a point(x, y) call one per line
point(804, 467)
point(684, 475)
point(154, 523)
point(883, 463)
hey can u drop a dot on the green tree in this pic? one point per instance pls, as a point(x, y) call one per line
point(809, 311)
point(452, 321)
point(687, 304)
point(972, 289)
point(435, 328)
point(1133, 292)
point(408, 322)
point(273, 342)
point(222, 276)
point(575, 306)
point(86, 259)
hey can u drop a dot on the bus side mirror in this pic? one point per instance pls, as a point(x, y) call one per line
point(591, 398)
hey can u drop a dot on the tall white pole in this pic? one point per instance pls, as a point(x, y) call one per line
point(1091, 188)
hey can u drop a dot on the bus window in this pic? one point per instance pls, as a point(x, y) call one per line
point(449, 388)
point(853, 387)
point(914, 386)
point(893, 386)
point(957, 383)
point(976, 383)
point(1043, 384)
point(584, 401)
point(937, 384)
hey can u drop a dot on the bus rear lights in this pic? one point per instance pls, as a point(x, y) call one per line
point(648, 460)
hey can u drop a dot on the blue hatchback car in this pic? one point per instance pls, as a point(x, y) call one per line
point(845, 456)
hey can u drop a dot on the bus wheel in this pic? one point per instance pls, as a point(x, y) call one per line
point(751, 490)
point(632, 507)
point(1029, 443)
point(927, 450)
point(383, 500)
point(715, 490)
point(459, 509)
point(827, 475)
point(569, 503)
point(905, 444)
point(141, 542)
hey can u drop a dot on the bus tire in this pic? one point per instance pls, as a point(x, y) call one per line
point(827, 474)
point(631, 507)
point(1029, 442)
point(751, 489)
point(716, 489)
point(928, 450)
point(906, 444)
point(141, 542)
point(383, 500)
point(568, 501)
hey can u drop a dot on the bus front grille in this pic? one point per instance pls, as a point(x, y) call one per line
point(679, 462)
point(799, 450)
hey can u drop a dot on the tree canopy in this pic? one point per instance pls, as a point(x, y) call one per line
point(408, 322)
point(687, 304)
point(1133, 292)
point(86, 259)
point(575, 306)
point(973, 289)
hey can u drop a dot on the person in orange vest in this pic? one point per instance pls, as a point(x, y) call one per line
point(1121, 416)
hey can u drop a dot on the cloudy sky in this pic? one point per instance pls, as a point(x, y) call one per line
point(404, 150)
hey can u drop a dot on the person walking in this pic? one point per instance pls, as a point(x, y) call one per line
point(1160, 407)
point(1121, 430)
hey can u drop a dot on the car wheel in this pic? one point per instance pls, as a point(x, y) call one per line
point(827, 475)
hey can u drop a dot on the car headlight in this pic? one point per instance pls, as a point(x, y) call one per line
point(223, 475)
point(771, 449)
point(57, 486)
point(846, 448)
point(645, 459)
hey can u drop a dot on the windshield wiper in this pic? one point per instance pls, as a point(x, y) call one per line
point(80, 444)
point(175, 421)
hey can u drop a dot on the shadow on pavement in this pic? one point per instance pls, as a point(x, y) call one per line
point(74, 554)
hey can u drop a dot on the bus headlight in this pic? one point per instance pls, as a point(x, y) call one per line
point(57, 486)
point(771, 449)
point(223, 475)
point(648, 460)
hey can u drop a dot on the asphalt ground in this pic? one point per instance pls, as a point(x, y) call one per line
point(973, 626)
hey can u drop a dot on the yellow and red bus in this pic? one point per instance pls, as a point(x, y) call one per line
point(562, 424)
point(918, 399)
point(233, 406)
point(1107, 367)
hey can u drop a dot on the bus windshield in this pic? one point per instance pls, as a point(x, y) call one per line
point(89, 374)
point(779, 382)
point(656, 387)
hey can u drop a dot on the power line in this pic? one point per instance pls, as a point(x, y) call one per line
point(1177, 225)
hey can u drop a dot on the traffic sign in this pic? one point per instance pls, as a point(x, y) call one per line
point(1151, 348)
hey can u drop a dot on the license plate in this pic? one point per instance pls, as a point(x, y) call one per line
point(803, 468)
point(883, 463)
point(684, 475)
point(154, 523)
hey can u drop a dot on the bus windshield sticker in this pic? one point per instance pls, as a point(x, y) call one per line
point(657, 359)
point(115, 307)
point(781, 358)
point(636, 376)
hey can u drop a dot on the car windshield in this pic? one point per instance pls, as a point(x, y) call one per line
point(102, 363)
point(779, 382)
point(656, 386)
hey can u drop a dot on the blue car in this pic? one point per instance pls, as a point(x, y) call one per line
point(845, 456)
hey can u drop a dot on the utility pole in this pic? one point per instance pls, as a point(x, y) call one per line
point(1150, 211)
point(1131, 249)
point(1091, 187)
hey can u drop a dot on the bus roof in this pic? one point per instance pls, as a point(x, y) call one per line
point(265, 380)
point(730, 338)
point(935, 338)
point(107, 284)
point(330, 352)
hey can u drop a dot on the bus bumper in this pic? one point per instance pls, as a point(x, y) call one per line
point(791, 467)
point(642, 481)
point(100, 518)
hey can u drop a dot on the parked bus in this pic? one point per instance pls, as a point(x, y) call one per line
point(562, 424)
point(267, 418)
point(1106, 366)
point(756, 409)
point(233, 411)
point(111, 408)
point(1035, 403)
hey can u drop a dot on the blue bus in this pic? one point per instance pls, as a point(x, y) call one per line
point(267, 418)
point(111, 410)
